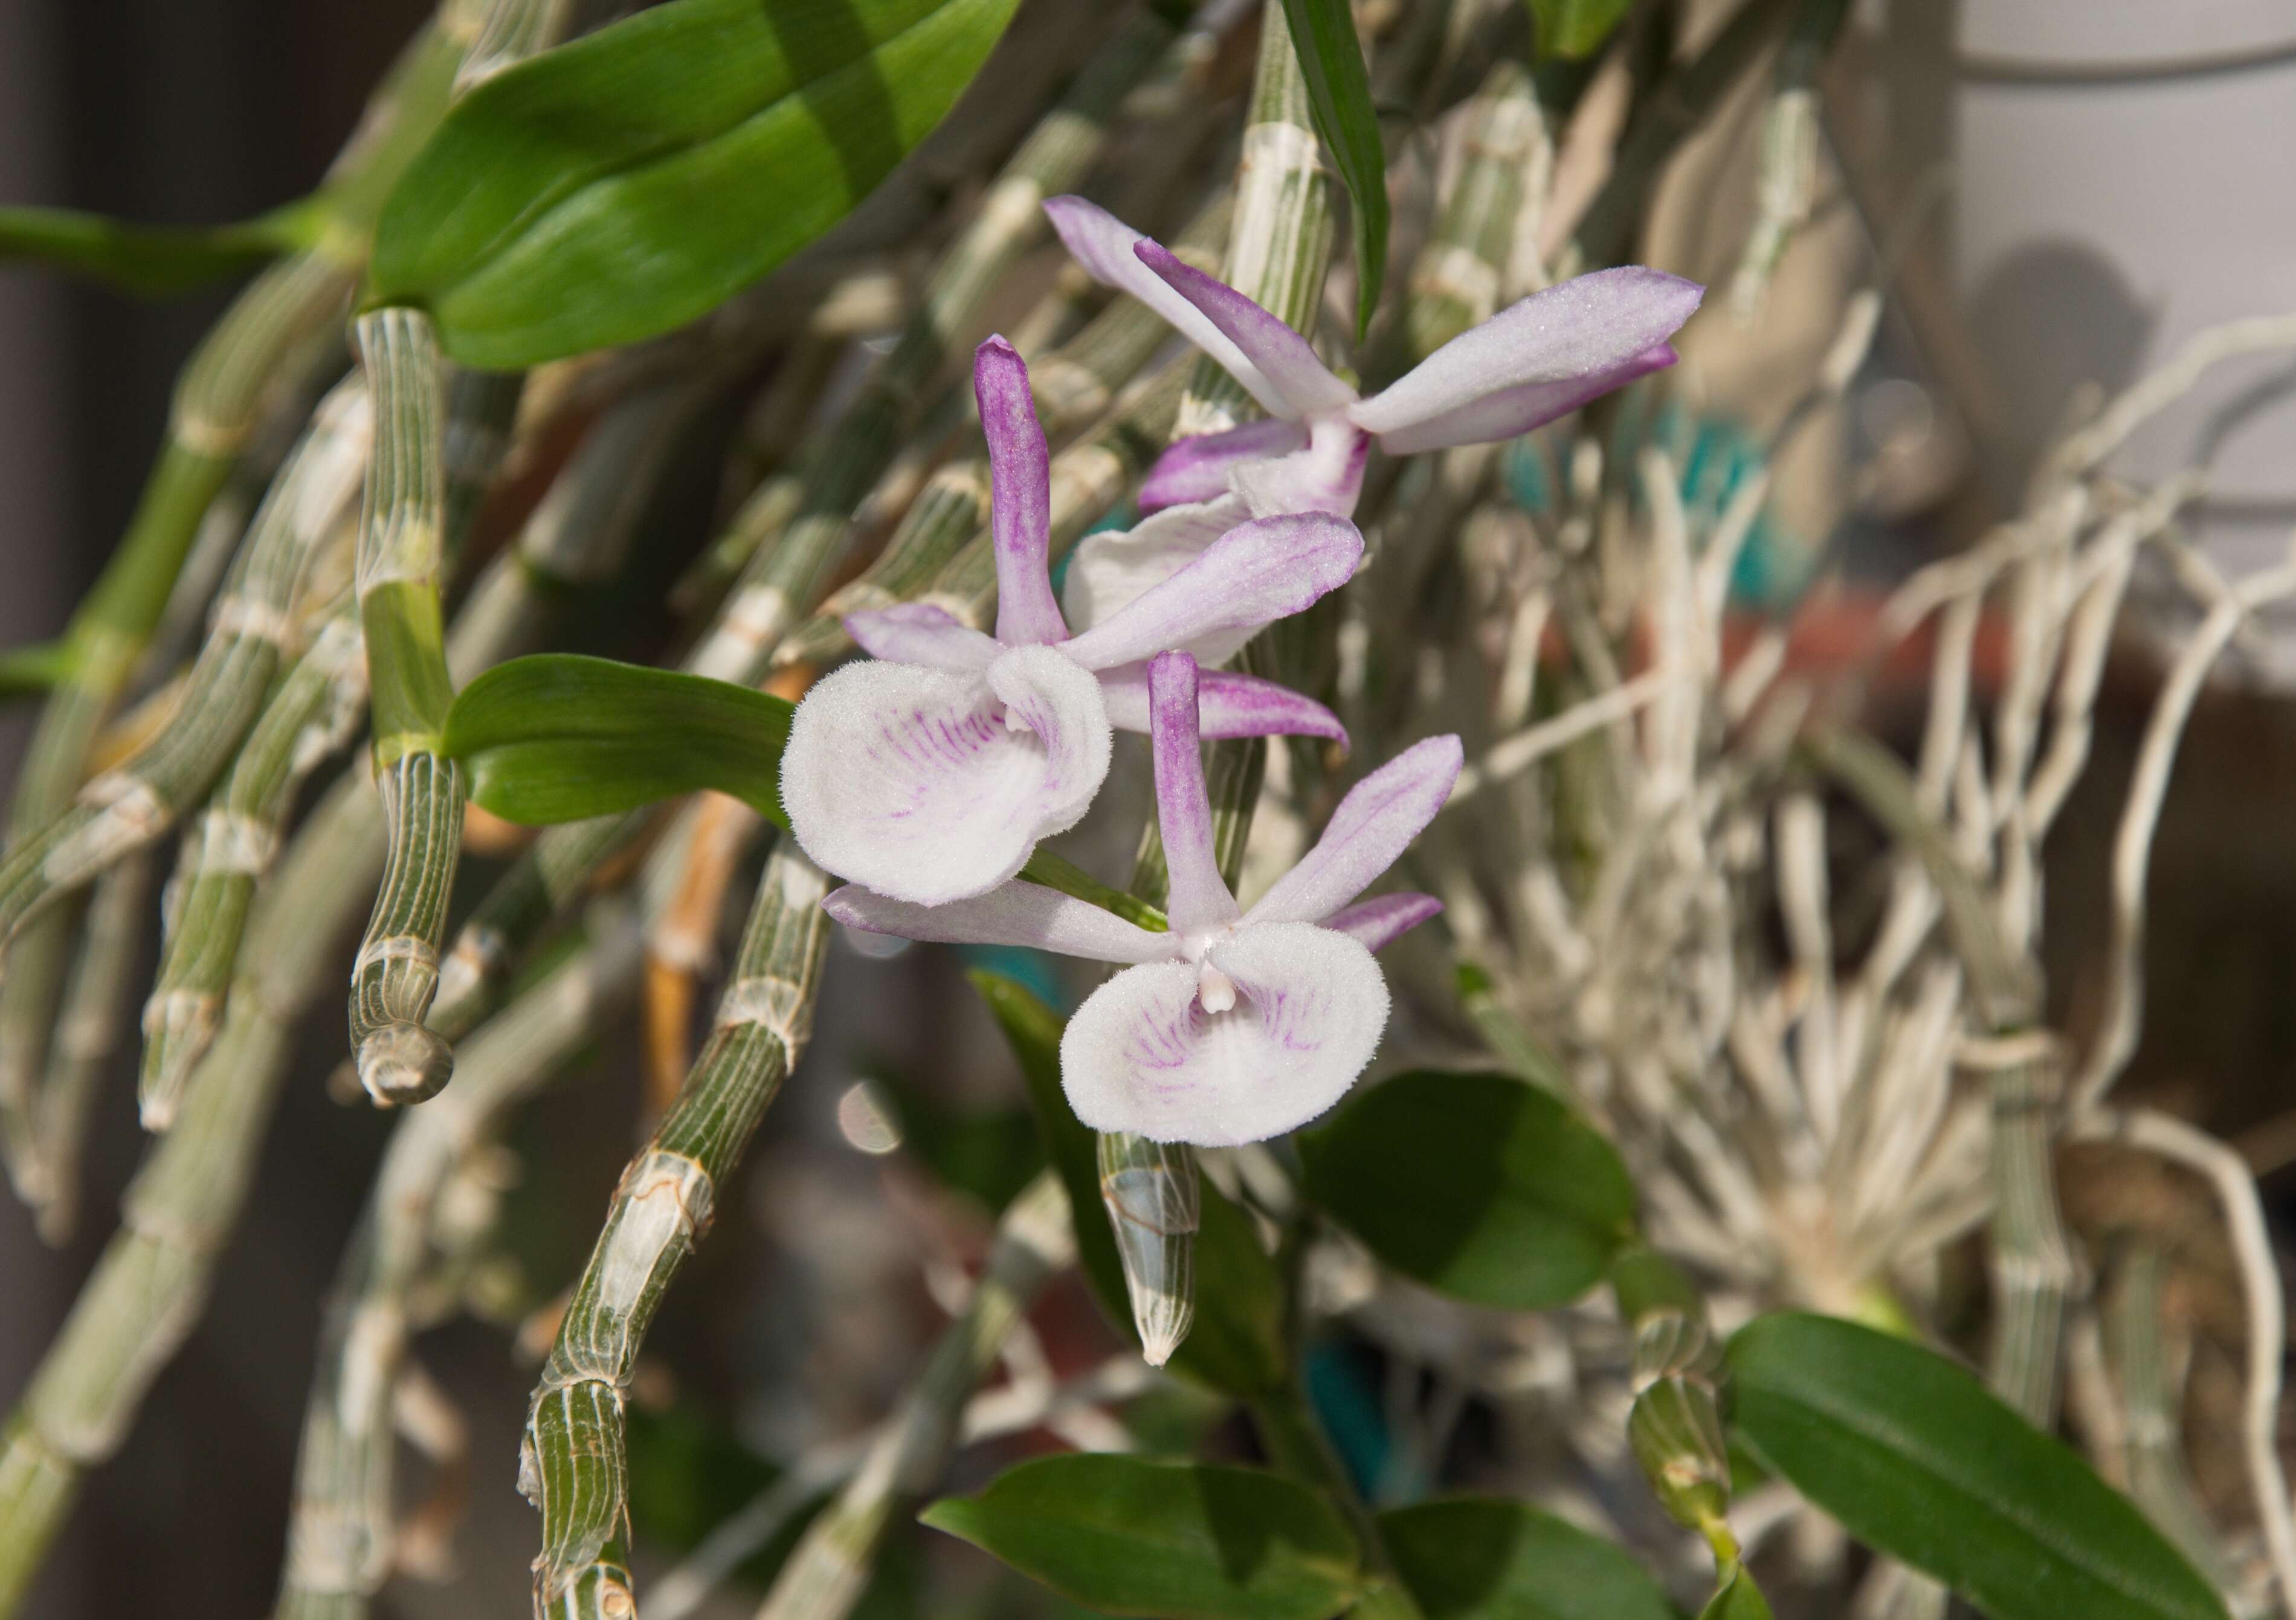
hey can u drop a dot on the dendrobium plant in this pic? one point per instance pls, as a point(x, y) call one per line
point(1234, 1026)
point(1533, 361)
point(930, 772)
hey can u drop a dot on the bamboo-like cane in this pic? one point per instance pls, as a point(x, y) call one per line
point(1788, 174)
point(827, 1571)
point(573, 1465)
point(343, 1535)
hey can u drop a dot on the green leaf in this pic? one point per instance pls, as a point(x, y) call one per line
point(1575, 29)
point(1331, 61)
point(606, 191)
point(28, 671)
point(1182, 1539)
point(1237, 1345)
point(1737, 1599)
point(151, 261)
point(561, 738)
point(1474, 1557)
point(1476, 1184)
point(1918, 1459)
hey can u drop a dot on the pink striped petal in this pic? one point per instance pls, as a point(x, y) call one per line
point(1327, 476)
point(913, 633)
point(1587, 325)
point(1227, 704)
point(1283, 355)
point(1142, 1054)
point(1372, 828)
point(1197, 468)
point(1379, 922)
point(1016, 913)
point(1197, 899)
point(1109, 570)
point(1252, 576)
point(929, 787)
point(1021, 497)
point(1515, 411)
point(1103, 245)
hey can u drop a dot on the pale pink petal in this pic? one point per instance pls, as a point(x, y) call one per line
point(1227, 704)
point(1015, 913)
point(1283, 355)
point(912, 632)
point(1327, 476)
point(1574, 329)
point(1382, 921)
point(1103, 245)
point(1108, 570)
point(930, 787)
point(1021, 496)
point(1255, 573)
point(1373, 825)
point(1197, 468)
point(1516, 411)
point(1143, 1055)
point(1196, 899)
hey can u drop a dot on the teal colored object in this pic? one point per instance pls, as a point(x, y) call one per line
point(1031, 969)
point(1339, 1386)
point(1123, 515)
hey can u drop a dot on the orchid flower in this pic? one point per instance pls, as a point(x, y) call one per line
point(1533, 361)
point(929, 773)
point(1234, 1026)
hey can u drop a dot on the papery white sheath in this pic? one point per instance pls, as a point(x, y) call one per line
point(930, 773)
point(1234, 1026)
point(1533, 361)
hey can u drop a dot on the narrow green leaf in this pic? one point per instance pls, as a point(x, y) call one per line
point(1476, 1557)
point(561, 738)
point(1575, 30)
point(1476, 1184)
point(151, 261)
point(1185, 1541)
point(1737, 1599)
point(1331, 61)
point(27, 671)
point(606, 191)
point(1237, 1345)
point(1918, 1459)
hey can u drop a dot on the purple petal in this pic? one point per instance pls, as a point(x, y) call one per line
point(1142, 1054)
point(1198, 900)
point(1109, 570)
point(929, 787)
point(1327, 476)
point(1518, 410)
point(1252, 576)
point(1103, 244)
point(1579, 327)
point(1227, 705)
point(1373, 825)
point(912, 632)
point(1021, 497)
point(1197, 469)
point(1282, 355)
point(1014, 913)
point(1379, 922)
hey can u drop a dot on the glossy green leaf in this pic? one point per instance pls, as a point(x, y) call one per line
point(1187, 1540)
point(1918, 1459)
point(1475, 1558)
point(1237, 1345)
point(607, 191)
point(1575, 29)
point(151, 261)
point(1737, 1599)
point(1476, 1184)
point(561, 738)
point(1331, 61)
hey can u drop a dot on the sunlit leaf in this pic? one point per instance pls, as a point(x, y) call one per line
point(561, 738)
point(1476, 1557)
point(1181, 1539)
point(1918, 1459)
point(1476, 1184)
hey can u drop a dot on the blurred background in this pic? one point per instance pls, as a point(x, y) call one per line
point(2083, 184)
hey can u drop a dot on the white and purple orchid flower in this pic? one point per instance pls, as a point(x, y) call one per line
point(930, 772)
point(1235, 1026)
point(1533, 361)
